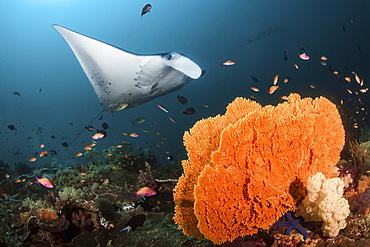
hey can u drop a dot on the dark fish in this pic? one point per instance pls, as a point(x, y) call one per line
point(64, 144)
point(52, 137)
point(103, 132)
point(331, 69)
point(266, 32)
point(36, 153)
point(285, 57)
point(182, 99)
point(29, 138)
point(17, 94)
point(170, 157)
point(12, 127)
point(343, 27)
point(105, 125)
point(254, 79)
point(39, 90)
point(89, 128)
point(146, 9)
point(101, 117)
point(189, 111)
point(139, 120)
point(359, 48)
point(135, 222)
point(52, 152)
point(70, 123)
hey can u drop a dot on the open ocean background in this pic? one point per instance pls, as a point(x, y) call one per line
point(34, 56)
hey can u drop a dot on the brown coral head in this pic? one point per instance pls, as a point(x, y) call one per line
point(48, 215)
point(24, 217)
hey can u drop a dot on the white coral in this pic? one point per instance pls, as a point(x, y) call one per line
point(324, 202)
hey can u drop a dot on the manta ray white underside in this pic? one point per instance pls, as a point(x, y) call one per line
point(122, 79)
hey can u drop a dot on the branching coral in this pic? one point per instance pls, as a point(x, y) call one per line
point(240, 166)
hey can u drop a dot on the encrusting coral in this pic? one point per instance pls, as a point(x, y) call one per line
point(240, 165)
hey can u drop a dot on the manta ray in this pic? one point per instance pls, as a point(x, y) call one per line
point(122, 79)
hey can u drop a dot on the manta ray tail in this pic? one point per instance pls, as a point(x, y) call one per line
point(79, 133)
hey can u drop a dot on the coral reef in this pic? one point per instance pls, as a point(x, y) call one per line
point(240, 166)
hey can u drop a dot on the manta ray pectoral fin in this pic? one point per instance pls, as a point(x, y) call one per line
point(122, 79)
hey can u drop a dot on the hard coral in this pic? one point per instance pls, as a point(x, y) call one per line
point(240, 166)
point(48, 215)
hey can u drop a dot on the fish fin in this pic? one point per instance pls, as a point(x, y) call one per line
point(126, 229)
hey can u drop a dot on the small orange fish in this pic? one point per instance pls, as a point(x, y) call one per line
point(82, 180)
point(133, 135)
point(7, 175)
point(364, 90)
point(32, 159)
point(124, 133)
point(97, 136)
point(296, 66)
point(303, 56)
point(78, 154)
point(43, 153)
point(118, 146)
point(341, 102)
point(17, 181)
point(112, 147)
point(349, 91)
point(276, 79)
point(284, 98)
point(162, 108)
point(273, 89)
point(312, 86)
point(324, 58)
point(228, 63)
point(357, 79)
point(42, 146)
point(144, 191)
point(109, 154)
point(347, 79)
point(93, 144)
point(286, 80)
point(87, 148)
point(23, 180)
point(123, 142)
point(157, 133)
point(255, 89)
point(83, 174)
point(173, 120)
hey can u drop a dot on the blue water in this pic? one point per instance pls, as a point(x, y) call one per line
point(34, 56)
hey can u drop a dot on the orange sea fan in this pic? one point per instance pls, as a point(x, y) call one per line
point(244, 186)
point(184, 198)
